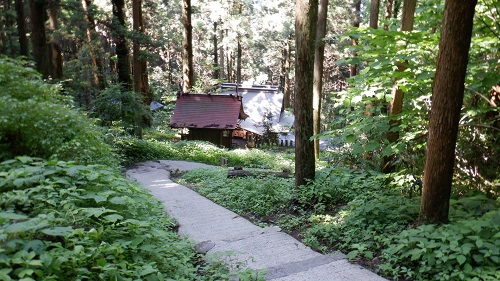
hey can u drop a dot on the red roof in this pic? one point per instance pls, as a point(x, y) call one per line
point(206, 111)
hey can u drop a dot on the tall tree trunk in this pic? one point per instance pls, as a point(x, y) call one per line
point(396, 104)
point(38, 15)
point(357, 20)
point(9, 22)
point(374, 11)
point(238, 62)
point(305, 29)
point(447, 99)
point(286, 87)
point(187, 48)
point(319, 55)
point(21, 28)
point(216, 73)
point(222, 57)
point(122, 52)
point(56, 61)
point(98, 71)
point(141, 82)
point(388, 13)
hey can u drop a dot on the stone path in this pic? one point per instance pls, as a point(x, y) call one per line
point(222, 233)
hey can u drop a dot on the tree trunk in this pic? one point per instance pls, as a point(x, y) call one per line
point(447, 99)
point(56, 62)
point(222, 57)
point(319, 55)
point(21, 28)
point(374, 10)
point(357, 20)
point(38, 14)
point(388, 13)
point(286, 87)
point(305, 29)
point(98, 71)
point(396, 104)
point(187, 48)
point(238, 62)
point(216, 73)
point(141, 84)
point(122, 52)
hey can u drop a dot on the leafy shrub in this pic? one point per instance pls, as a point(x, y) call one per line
point(67, 222)
point(333, 187)
point(466, 249)
point(134, 150)
point(362, 226)
point(250, 196)
point(39, 122)
point(61, 221)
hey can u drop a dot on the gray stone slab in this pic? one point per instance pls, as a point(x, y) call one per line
point(340, 270)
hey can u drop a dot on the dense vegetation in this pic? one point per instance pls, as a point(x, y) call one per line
point(73, 215)
point(66, 211)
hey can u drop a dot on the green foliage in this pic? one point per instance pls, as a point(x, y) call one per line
point(466, 249)
point(68, 222)
point(362, 226)
point(37, 121)
point(133, 150)
point(249, 196)
point(333, 187)
point(116, 106)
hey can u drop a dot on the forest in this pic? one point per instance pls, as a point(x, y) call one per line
point(405, 94)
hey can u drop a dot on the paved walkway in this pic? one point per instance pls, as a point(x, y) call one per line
point(222, 233)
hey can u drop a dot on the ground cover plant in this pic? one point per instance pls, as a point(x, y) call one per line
point(63, 221)
point(133, 150)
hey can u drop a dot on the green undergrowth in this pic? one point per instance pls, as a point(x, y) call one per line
point(62, 221)
point(372, 218)
point(134, 150)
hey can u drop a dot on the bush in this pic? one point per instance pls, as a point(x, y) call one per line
point(38, 122)
point(134, 150)
point(249, 196)
point(61, 221)
point(465, 249)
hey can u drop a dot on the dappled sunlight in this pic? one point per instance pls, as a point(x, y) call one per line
point(163, 184)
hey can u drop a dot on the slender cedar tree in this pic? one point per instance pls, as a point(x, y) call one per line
point(319, 55)
point(21, 28)
point(38, 13)
point(447, 99)
point(122, 52)
point(187, 48)
point(306, 19)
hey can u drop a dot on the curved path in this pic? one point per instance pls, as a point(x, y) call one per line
point(222, 234)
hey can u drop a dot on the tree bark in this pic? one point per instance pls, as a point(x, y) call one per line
point(287, 99)
point(187, 48)
point(222, 57)
point(305, 29)
point(141, 84)
point(21, 28)
point(56, 61)
point(38, 14)
point(98, 71)
point(216, 73)
point(238, 62)
point(374, 11)
point(447, 99)
point(122, 52)
point(319, 55)
point(388, 13)
point(357, 20)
